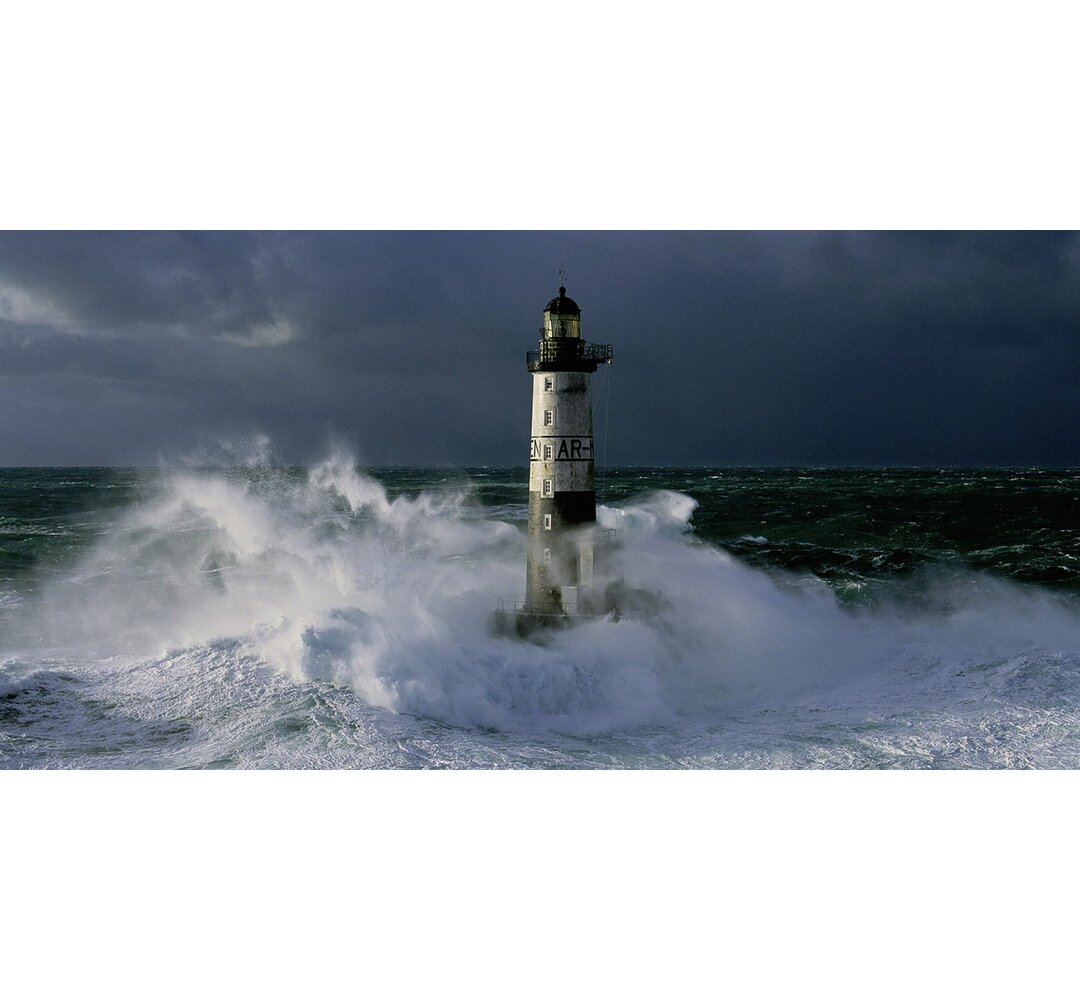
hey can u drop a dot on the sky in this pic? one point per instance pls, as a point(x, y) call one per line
point(408, 348)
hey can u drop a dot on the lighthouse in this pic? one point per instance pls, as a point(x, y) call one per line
point(562, 487)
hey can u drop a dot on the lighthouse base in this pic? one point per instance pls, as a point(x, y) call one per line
point(525, 624)
point(616, 603)
point(575, 606)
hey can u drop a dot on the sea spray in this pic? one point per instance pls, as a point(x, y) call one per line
point(284, 616)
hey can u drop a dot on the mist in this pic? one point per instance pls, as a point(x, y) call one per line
point(221, 582)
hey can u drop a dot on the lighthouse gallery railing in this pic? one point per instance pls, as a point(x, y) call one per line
point(565, 353)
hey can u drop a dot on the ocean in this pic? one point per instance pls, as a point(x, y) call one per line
point(338, 617)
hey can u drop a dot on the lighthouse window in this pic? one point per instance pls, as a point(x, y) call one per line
point(547, 555)
point(549, 384)
point(549, 487)
point(549, 450)
point(547, 522)
point(548, 415)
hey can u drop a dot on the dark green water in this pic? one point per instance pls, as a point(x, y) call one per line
point(856, 529)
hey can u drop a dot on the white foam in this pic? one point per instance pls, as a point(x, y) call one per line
point(324, 578)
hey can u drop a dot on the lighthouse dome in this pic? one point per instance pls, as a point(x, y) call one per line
point(562, 306)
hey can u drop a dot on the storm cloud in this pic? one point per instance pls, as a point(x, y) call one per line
point(730, 348)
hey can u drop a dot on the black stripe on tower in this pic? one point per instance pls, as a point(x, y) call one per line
point(567, 510)
point(578, 507)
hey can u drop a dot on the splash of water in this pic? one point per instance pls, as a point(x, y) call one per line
point(322, 577)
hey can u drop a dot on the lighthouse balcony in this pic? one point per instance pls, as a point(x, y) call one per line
point(567, 354)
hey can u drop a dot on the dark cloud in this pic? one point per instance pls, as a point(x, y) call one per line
point(730, 347)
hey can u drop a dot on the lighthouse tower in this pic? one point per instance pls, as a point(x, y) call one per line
point(562, 489)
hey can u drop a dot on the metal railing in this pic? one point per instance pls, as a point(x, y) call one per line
point(546, 609)
point(569, 351)
point(524, 607)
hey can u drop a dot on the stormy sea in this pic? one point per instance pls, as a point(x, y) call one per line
point(255, 616)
